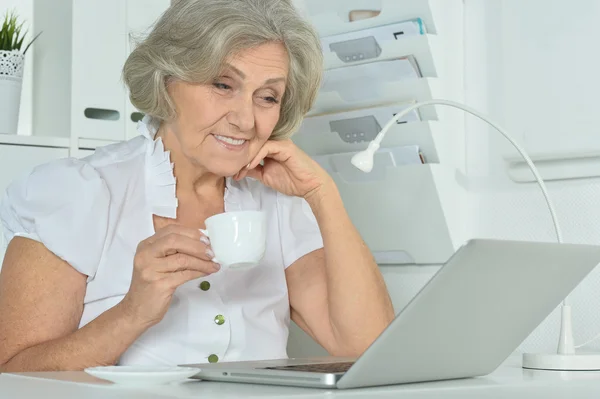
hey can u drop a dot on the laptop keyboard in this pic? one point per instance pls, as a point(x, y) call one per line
point(317, 368)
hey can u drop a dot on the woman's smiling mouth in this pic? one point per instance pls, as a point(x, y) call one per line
point(230, 142)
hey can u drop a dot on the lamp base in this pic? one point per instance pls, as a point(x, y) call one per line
point(554, 361)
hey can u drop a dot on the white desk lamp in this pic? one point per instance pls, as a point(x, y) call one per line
point(565, 358)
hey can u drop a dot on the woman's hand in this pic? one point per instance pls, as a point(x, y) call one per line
point(286, 169)
point(164, 261)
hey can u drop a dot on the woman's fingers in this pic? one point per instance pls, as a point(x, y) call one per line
point(277, 150)
point(177, 248)
point(174, 243)
point(180, 262)
point(181, 248)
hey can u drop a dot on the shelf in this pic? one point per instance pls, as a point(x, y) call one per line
point(374, 94)
point(92, 144)
point(37, 141)
point(54, 142)
point(554, 167)
point(366, 79)
point(331, 17)
point(428, 135)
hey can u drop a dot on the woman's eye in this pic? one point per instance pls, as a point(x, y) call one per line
point(271, 100)
point(221, 86)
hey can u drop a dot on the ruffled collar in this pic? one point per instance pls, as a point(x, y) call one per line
point(161, 184)
point(160, 181)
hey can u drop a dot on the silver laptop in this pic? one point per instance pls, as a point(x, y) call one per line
point(465, 321)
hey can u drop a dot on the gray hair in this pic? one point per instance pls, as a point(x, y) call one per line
point(193, 38)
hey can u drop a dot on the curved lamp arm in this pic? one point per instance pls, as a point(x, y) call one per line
point(364, 161)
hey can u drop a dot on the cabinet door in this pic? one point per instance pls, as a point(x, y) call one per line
point(103, 37)
point(15, 161)
point(99, 51)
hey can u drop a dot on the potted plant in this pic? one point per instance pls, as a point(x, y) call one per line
point(12, 60)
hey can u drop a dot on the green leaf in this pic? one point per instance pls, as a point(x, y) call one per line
point(12, 34)
point(19, 43)
point(31, 42)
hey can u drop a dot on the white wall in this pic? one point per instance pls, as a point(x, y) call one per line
point(533, 66)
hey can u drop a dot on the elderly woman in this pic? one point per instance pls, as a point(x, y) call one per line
point(106, 263)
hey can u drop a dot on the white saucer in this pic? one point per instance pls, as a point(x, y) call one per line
point(142, 375)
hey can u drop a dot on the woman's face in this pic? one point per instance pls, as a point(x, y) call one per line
point(222, 125)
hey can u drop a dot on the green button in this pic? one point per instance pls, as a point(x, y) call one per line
point(213, 358)
point(219, 319)
point(205, 286)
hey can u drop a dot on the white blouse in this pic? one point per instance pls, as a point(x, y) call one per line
point(93, 213)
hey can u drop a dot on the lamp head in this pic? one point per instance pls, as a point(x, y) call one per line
point(364, 160)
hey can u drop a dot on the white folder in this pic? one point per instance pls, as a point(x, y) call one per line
point(361, 125)
point(373, 44)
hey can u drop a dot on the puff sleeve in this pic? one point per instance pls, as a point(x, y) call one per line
point(298, 228)
point(64, 205)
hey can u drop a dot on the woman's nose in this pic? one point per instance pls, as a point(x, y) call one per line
point(242, 114)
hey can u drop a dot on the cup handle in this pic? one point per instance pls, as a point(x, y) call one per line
point(205, 232)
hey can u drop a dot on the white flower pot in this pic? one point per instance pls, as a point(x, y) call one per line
point(11, 80)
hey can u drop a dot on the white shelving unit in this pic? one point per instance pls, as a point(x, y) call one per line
point(99, 49)
point(79, 99)
point(101, 109)
point(407, 214)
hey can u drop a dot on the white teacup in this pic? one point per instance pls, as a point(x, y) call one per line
point(238, 239)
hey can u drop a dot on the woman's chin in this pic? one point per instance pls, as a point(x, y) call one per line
point(228, 172)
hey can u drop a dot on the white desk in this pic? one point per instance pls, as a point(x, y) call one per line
point(508, 381)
